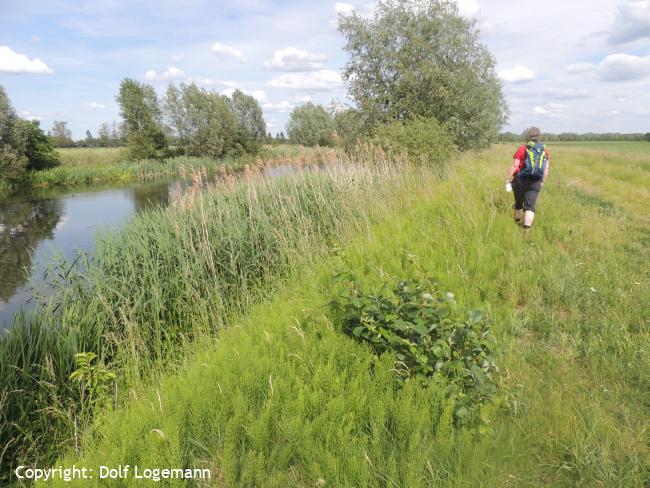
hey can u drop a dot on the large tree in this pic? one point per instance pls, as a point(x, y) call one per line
point(310, 124)
point(423, 59)
point(248, 114)
point(142, 117)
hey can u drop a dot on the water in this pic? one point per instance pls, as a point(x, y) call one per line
point(37, 227)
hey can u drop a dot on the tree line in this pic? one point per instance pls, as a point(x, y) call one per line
point(188, 120)
point(573, 136)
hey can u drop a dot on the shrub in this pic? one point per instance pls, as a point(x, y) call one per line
point(427, 333)
point(40, 149)
point(310, 125)
point(424, 141)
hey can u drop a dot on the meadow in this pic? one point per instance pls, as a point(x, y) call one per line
point(84, 166)
point(214, 317)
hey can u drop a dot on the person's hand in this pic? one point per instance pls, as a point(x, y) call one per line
point(508, 187)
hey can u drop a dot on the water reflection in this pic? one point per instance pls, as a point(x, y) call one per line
point(23, 226)
point(38, 227)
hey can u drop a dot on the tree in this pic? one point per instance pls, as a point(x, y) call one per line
point(61, 135)
point(104, 135)
point(349, 127)
point(23, 145)
point(248, 114)
point(423, 59)
point(39, 148)
point(176, 113)
point(89, 141)
point(140, 110)
point(647, 136)
point(310, 124)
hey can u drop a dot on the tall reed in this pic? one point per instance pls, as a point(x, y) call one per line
point(169, 277)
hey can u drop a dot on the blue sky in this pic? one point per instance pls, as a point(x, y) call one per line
point(566, 66)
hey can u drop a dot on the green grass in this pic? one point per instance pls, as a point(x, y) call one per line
point(85, 166)
point(609, 146)
point(172, 276)
point(281, 397)
point(92, 156)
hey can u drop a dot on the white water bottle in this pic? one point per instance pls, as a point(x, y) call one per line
point(508, 187)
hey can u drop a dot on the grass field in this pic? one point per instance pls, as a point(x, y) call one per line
point(280, 397)
point(84, 166)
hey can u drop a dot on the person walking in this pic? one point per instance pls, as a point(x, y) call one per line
point(529, 170)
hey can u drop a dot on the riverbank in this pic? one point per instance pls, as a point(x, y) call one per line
point(85, 166)
point(279, 396)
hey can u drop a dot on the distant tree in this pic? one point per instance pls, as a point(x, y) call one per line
point(61, 135)
point(104, 135)
point(423, 59)
point(248, 115)
point(213, 128)
point(89, 141)
point(310, 124)
point(116, 134)
point(647, 136)
point(142, 117)
point(281, 137)
point(175, 109)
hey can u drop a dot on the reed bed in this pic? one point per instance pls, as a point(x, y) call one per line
point(173, 276)
point(103, 165)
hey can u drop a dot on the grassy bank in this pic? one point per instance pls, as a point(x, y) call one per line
point(172, 276)
point(82, 166)
point(282, 398)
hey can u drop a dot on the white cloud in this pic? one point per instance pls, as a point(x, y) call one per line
point(280, 107)
point(323, 79)
point(468, 8)
point(28, 116)
point(566, 93)
point(171, 73)
point(258, 95)
point(632, 22)
point(14, 63)
point(550, 109)
point(292, 59)
point(94, 105)
point(616, 67)
point(343, 8)
point(579, 68)
point(228, 51)
point(518, 74)
point(623, 67)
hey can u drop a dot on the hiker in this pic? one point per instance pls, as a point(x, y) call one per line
point(527, 174)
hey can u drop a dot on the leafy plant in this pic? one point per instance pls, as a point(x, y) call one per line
point(94, 380)
point(426, 331)
point(424, 141)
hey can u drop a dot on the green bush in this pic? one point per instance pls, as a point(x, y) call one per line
point(310, 125)
point(427, 332)
point(424, 141)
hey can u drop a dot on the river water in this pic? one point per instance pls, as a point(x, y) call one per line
point(38, 227)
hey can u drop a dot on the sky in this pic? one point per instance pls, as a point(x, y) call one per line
point(577, 66)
